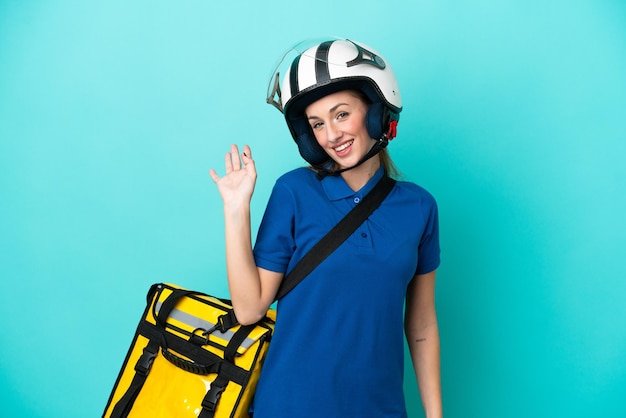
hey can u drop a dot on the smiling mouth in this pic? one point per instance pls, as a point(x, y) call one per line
point(343, 146)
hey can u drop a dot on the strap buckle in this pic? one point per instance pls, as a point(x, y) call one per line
point(145, 361)
point(212, 397)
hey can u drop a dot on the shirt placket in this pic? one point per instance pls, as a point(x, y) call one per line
point(362, 237)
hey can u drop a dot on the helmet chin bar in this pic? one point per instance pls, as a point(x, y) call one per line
point(376, 148)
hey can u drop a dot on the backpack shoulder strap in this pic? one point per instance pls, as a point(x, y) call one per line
point(337, 235)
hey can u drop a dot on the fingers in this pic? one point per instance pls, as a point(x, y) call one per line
point(234, 157)
point(246, 157)
point(233, 162)
point(214, 176)
point(231, 159)
point(247, 152)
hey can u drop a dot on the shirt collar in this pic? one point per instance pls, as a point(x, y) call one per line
point(336, 187)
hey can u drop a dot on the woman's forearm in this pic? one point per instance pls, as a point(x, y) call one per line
point(425, 354)
point(243, 276)
point(422, 333)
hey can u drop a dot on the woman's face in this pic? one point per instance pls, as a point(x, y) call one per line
point(338, 122)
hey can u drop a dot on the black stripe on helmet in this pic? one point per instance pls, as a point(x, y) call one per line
point(322, 72)
point(293, 76)
point(366, 57)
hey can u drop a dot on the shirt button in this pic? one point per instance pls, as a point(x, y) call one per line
point(364, 235)
point(357, 199)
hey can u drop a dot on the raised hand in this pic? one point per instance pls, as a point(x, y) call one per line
point(237, 185)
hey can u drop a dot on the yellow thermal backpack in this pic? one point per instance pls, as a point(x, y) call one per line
point(190, 358)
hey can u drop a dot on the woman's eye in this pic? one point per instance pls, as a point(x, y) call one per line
point(316, 125)
point(342, 115)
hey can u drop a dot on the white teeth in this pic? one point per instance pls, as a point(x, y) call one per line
point(343, 146)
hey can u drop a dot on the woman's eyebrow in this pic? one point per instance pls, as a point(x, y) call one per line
point(332, 109)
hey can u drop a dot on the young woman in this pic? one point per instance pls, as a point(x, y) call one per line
point(337, 350)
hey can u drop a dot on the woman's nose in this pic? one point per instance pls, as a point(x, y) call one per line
point(333, 132)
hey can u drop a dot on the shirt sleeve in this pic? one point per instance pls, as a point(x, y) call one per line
point(428, 249)
point(275, 242)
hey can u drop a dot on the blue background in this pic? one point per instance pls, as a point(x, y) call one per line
point(111, 114)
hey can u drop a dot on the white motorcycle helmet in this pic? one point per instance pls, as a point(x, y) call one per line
point(307, 73)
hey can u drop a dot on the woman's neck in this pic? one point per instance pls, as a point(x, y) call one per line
point(358, 177)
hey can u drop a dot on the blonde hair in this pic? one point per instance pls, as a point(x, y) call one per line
point(385, 160)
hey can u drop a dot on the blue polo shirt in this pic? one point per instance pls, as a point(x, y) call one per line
point(338, 346)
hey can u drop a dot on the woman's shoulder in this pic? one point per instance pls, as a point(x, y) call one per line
point(297, 177)
point(415, 191)
point(297, 186)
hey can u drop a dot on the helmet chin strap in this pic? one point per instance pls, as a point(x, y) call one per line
point(376, 148)
point(392, 130)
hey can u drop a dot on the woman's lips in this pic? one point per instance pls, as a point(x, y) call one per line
point(344, 148)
